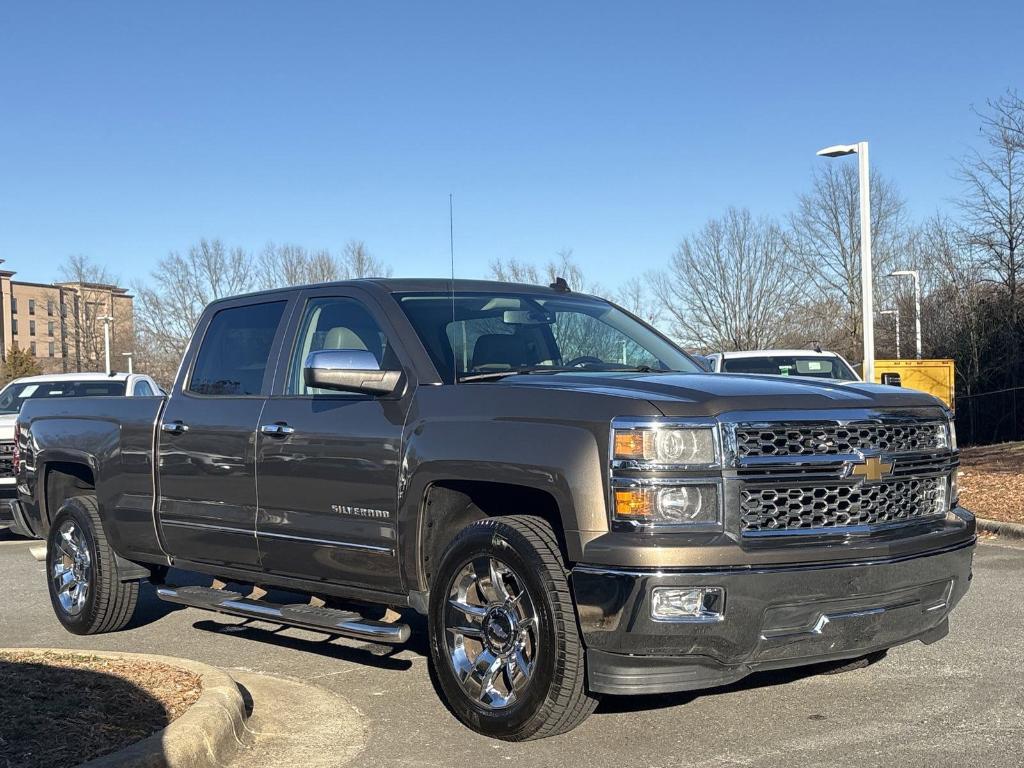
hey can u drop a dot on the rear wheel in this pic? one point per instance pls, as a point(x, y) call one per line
point(503, 636)
point(86, 592)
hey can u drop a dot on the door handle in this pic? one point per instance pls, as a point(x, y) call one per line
point(277, 430)
point(174, 427)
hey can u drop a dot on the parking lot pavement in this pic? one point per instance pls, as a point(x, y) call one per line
point(958, 702)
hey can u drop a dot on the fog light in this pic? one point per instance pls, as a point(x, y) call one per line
point(688, 603)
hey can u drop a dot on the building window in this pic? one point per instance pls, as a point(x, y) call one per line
point(31, 327)
point(32, 346)
point(51, 349)
point(14, 304)
point(14, 325)
point(31, 306)
point(49, 328)
point(49, 307)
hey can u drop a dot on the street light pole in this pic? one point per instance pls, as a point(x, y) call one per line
point(130, 355)
point(916, 274)
point(895, 312)
point(866, 285)
point(107, 320)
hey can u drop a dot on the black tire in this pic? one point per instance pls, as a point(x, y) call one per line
point(555, 699)
point(849, 665)
point(108, 603)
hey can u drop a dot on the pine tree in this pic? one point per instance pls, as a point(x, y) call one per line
point(20, 362)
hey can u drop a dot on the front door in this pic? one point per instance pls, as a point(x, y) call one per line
point(328, 462)
point(207, 436)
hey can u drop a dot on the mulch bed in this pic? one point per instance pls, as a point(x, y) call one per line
point(66, 708)
point(992, 481)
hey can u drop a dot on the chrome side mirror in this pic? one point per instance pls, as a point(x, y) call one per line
point(348, 370)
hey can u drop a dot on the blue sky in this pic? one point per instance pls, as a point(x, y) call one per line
point(128, 130)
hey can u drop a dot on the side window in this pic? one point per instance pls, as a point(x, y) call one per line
point(142, 389)
point(335, 323)
point(235, 351)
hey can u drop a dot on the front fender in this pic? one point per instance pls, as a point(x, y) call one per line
point(564, 461)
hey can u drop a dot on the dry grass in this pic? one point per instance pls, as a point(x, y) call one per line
point(992, 481)
point(66, 708)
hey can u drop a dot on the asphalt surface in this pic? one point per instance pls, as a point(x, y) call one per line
point(958, 702)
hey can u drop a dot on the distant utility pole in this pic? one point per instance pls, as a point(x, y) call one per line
point(867, 293)
point(917, 301)
point(106, 320)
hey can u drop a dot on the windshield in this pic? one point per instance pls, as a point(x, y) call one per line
point(816, 366)
point(504, 333)
point(13, 395)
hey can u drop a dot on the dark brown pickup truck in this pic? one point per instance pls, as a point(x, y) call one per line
point(575, 506)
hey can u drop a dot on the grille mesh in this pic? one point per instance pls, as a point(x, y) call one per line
point(6, 459)
point(830, 439)
point(833, 506)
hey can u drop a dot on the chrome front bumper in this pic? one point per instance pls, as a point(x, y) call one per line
point(774, 617)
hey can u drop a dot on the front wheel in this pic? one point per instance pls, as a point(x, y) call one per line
point(86, 591)
point(504, 641)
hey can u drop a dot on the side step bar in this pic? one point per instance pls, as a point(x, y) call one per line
point(331, 620)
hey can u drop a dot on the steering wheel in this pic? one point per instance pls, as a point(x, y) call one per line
point(583, 360)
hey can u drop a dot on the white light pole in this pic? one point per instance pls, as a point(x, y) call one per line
point(895, 312)
point(866, 288)
point(106, 320)
point(917, 301)
point(130, 371)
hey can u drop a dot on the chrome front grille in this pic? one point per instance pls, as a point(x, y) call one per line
point(6, 459)
point(782, 440)
point(809, 507)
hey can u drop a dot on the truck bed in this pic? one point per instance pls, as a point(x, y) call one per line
point(116, 438)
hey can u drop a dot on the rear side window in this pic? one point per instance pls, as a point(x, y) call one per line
point(142, 389)
point(233, 357)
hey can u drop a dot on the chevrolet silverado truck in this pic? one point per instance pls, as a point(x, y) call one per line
point(573, 504)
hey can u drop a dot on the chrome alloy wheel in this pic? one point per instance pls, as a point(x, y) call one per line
point(491, 632)
point(72, 568)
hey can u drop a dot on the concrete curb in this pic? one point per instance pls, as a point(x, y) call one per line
point(1009, 530)
point(204, 737)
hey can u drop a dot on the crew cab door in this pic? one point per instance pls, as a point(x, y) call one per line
point(207, 434)
point(328, 462)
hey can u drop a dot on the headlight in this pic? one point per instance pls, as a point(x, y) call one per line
point(952, 435)
point(666, 445)
point(694, 504)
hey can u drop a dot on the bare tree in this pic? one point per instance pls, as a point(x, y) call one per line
point(86, 299)
point(563, 265)
point(280, 266)
point(358, 262)
point(993, 202)
point(824, 241)
point(636, 296)
point(729, 286)
point(182, 284)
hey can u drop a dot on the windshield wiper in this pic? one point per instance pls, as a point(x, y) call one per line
point(546, 369)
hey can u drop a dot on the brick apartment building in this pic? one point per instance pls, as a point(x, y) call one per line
point(60, 323)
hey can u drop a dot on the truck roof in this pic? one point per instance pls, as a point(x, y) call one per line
point(420, 285)
point(774, 352)
point(84, 376)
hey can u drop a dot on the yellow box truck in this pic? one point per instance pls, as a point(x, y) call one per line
point(936, 377)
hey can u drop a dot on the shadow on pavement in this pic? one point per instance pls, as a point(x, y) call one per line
point(55, 714)
point(620, 704)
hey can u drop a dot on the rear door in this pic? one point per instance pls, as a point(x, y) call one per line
point(328, 481)
point(207, 470)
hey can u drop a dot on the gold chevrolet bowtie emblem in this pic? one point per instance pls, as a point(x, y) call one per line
point(873, 469)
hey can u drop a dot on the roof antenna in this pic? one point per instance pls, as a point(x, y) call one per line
point(560, 285)
point(451, 250)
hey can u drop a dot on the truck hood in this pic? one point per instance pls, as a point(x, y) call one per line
point(685, 394)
